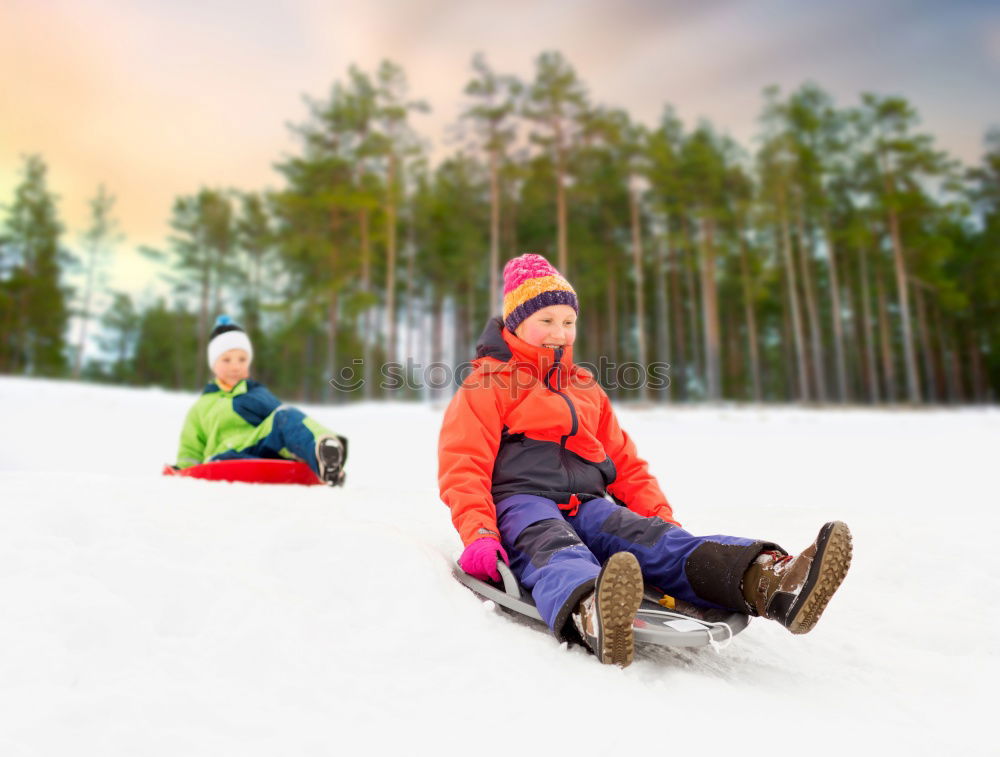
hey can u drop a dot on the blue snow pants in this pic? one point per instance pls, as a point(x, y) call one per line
point(289, 436)
point(557, 556)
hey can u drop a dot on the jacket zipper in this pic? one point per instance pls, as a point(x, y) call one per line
point(572, 408)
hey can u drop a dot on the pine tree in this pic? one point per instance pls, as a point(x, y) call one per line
point(202, 247)
point(98, 243)
point(555, 101)
point(896, 160)
point(120, 323)
point(397, 144)
point(33, 304)
point(495, 99)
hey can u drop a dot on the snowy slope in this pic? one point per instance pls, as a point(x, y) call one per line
point(141, 615)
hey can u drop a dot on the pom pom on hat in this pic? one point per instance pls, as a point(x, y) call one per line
point(531, 283)
point(227, 335)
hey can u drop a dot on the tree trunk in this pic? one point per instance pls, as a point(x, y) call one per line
point(640, 304)
point(495, 293)
point(812, 310)
point(956, 363)
point(751, 322)
point(390, 284)
point(367, 320)
point(612, 292)
point(710, 310)
point(789, 363)
point(871, 374)
point(734, 359)
point(459, 320)
point(331, 345)
point(680, 338)
point(663, 319)
point(472, 323)
point(8, 341)
point(255, 286)
point(411, 304)
point(930, 380)
point(976, 367)
point(286, 357)
point(594, 347)
point(625, 351)
point(307, 361)
point(697, 365)
point(888, 370)
point(561, 232)
point(85, 315)
point(332, 305)
point(180, 379)
point(793, 300)
point(843, 388)
point(437, 333)
point(203, 319)
point(912, 378)
point(943, 354)
point(509, 223)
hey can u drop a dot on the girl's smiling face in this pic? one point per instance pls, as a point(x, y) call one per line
point(553, 326)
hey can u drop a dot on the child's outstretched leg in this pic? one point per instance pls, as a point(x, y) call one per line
point(290, 433)
point(703, 570)
point(722, 571)
point(549, 559)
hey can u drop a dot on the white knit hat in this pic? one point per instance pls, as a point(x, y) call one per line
point(225, 336)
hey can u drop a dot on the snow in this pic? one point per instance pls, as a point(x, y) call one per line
point(148, 615)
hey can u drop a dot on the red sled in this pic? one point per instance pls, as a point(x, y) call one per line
point(256, 470)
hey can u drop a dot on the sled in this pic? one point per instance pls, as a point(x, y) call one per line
point(661, 620)
point(251, 471)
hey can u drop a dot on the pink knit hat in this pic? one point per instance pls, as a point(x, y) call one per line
point(530, 283)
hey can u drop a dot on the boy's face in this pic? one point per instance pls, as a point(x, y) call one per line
point(554, 326)
point(232, 367)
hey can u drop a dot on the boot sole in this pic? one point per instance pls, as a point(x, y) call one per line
point(833, 558)
point(619, 594)
point(331, 460)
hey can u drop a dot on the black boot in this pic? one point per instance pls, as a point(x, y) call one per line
point(331, 454)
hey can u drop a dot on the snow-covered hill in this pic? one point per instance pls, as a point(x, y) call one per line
point(143, 615)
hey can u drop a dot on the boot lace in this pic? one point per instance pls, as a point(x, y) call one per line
point(778, 560)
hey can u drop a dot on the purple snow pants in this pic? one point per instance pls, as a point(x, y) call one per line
point(557, 556)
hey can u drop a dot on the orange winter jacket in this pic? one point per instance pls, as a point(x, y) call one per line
point(526, 420)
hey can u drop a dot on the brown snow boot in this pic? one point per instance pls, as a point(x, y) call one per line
point(604, 617)
point(795, 590)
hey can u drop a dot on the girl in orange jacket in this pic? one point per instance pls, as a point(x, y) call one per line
point(538, 473)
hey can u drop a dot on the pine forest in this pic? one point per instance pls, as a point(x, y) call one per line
point(840, 257)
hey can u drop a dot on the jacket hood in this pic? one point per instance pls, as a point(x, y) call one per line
point(491, 343)
point(498, 344)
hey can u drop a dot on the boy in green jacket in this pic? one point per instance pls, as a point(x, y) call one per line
point(236, 417)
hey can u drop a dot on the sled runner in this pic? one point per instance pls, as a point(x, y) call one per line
point(661, 619)
point(250, 470)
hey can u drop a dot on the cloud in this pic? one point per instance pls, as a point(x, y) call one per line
point(157, 99)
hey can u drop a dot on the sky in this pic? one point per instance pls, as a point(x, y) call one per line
point(157, 99)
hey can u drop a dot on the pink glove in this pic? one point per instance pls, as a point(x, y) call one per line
point(479, 559)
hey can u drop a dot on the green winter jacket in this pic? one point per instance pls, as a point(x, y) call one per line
point(221, 421)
